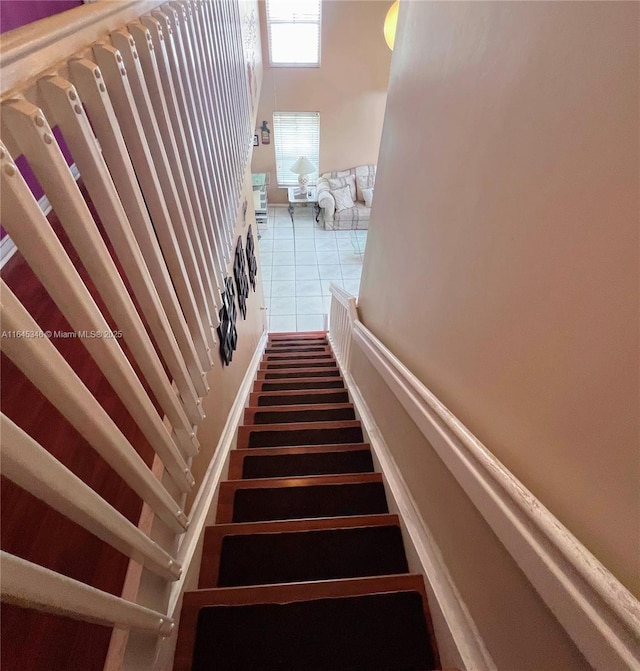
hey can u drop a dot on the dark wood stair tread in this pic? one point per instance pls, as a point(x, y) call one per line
point(298, 372)
point(298, 397)
point(238, 456)
point(303, 497)
point(305, 568)
point(292, 461)
point(302, 433)
point(297, 350)
point(304, 356)
point(298, 384)
point(271, 342)
point(296, 363)
point(297, 342)
point(285, 342)
point(260, 415)
point(321, 549)
point(375, 624)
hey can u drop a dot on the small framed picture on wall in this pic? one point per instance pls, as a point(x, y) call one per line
point(256, 141)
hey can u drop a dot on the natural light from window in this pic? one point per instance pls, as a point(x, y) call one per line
point(296, 134)
point(294, 32)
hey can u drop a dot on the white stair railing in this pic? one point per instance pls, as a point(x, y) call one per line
point(30, 466)
point(26, 584)
point(151, 101)
point(342, 317)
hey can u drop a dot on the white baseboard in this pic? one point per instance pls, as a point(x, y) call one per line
point(7, 250)
point(459, 641)
point(212, 477)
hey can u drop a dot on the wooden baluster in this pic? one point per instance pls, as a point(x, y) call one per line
point(27, 584)
point(30, 466)
point(158, 146)
point(198, 190)
point(41, 362)
point(127, 111)
point(226, 111)
point(214, 187)
point(66, 108)
point(32, 134)
point(233, 180)
point(210, 136)
point(209, 43)
point(30, 230)
point(200, 247)
point(188, 376)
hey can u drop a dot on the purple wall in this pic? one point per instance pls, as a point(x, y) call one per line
point(16, 13)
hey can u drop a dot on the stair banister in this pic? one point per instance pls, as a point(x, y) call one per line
point(30, 466)
point(343, 316)
point(42, 249)
point(47, 369)
point(26, 583)
point(153, 219)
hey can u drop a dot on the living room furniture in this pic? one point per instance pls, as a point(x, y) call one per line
point(303, 168)
point(332, 184)
point(260, 182)
point(308, 198)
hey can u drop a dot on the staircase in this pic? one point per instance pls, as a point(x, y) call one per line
point(305, 568)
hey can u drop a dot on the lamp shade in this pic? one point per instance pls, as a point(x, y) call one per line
point(390, 24)
point(303, 166)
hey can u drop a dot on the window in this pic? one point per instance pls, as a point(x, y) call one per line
point(293, 29)
point(296, 134)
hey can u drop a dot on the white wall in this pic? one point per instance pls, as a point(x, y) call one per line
point(502, 262)
point(503, 257)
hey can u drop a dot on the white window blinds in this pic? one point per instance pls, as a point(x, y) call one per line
point(293, 28)
point(296, 134)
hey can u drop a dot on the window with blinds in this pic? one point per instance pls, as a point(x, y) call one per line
point(296, 134)
point(293, 29)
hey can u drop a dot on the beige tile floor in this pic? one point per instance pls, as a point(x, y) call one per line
point(297, 264)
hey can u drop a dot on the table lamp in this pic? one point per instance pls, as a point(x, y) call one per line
point(303, 168)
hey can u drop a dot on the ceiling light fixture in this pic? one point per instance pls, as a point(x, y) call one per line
point(390, 24)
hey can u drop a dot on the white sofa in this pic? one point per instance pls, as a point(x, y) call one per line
point(345, 218)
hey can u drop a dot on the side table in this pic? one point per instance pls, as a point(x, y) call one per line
point(311, 197)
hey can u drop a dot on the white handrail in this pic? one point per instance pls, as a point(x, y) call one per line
point(597, 611)
point(26, 584)
point(30, 466)
point(26, 51)
point(343, 314)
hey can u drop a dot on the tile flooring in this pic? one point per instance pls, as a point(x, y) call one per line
point(299, 261)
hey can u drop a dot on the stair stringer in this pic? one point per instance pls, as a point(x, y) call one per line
point(459, 642)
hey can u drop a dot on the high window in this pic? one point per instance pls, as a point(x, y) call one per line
point(293, 28)
point(296, 134)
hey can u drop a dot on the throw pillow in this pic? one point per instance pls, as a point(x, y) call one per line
point(348, 180)
point(364, 182)
point(343, 198)
point(368, 196)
